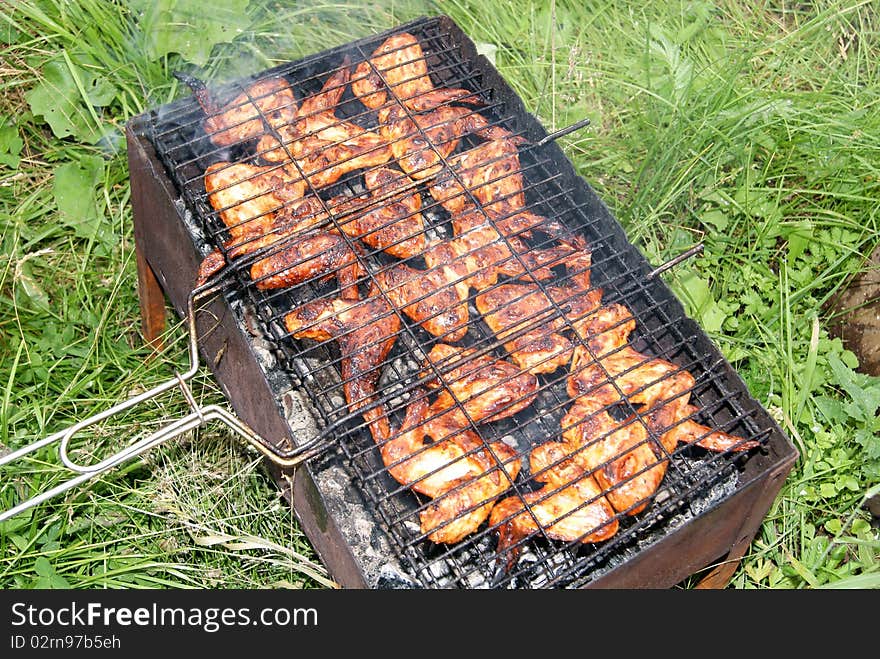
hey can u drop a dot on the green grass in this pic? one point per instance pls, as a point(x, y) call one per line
point(753, 127)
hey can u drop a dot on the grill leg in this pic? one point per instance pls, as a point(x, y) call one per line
point(719, 577)
point(152, 302)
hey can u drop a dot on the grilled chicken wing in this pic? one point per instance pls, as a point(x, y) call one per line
point(488, 177)
point(365, 331)
point(455, 468)
point(476, 388)
point(487, 174)
point(421, 143)
point(460, 473)
point(618, 454)
point(436, 298)
point(323, 145)
point(629, 464)
point(387, 218)
point(245, 117)
point(317, 255)
point(569, 507)
point(398, 65)
point(247, 197)
point(527, 319)
point(287, 223)
point(392, 220)
point(479, 253)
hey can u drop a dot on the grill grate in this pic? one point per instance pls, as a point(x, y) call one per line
point(695, 479)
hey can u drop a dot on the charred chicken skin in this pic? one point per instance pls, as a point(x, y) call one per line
point(247, 197)
point(529, 321)
point(476, 388)
point(628, 463)
point(391, 219)
point(460, 473)
point(488, 178)
point(569, 507)
point(386, 218)
point(260, 206)
point(323, 145)
point(245, 117)
point(435, 298)
point(455, 468)
point(365, 331)
point(421, 143)
point(287, 224)
point(480, 254)
point(314, 256)
point(487, 174)
point(398, 65)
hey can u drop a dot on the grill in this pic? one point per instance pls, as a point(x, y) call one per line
point(459, 457)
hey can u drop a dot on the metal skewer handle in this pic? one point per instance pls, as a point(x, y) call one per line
point(198, 417)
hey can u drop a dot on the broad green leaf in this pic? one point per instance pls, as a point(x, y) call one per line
point(715, 218)
point(699, 301)
point(831, 408)
point(833, 526)
point(863, 390)
point(10, 146)
point(20, 541)
point(8, 33)
point(58, 582)
point(43, 567)
point(869, 441)
point(799, 236)
point(74, 190)
point(9, 526)
point(60, 102)
point(188, 27)
point(828, 490)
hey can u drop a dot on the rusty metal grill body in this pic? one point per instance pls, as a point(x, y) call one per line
point(708, 504)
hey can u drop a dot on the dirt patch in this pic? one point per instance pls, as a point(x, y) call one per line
point(857, 315)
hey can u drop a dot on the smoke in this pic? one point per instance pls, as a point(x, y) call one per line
point(282, 32)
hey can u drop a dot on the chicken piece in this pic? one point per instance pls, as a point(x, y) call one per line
point(245, 117)
point(365, 331)
point(454, 467)
point(436, 298)
point(475, 388)
point(247, 197)
point(392, 220)
point(488, 174)
point(479, 254)
point(569, 507)
point(628, 463)
point(527, 319)
point(421, 143)
point(324, 146)
point(488, 177)
point(317, 255)
point(618, 454)
point(399, 65)
point(460, 474)
point(288, 222)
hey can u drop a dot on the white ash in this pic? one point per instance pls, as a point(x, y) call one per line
point(194, 226)
point(298, 415)
point(391, 577)
point(356, 524)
